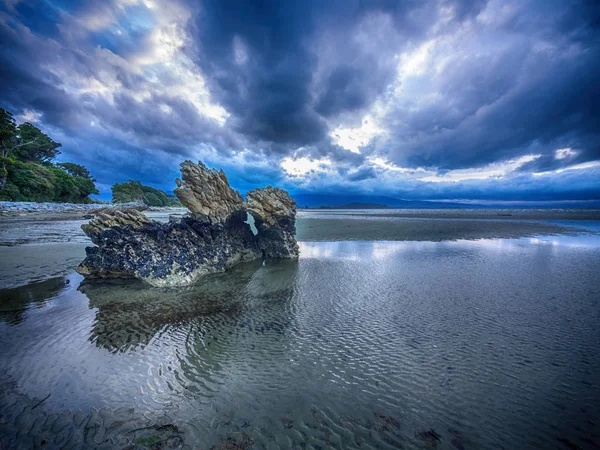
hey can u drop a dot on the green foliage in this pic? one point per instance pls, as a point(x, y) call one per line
point(35, 145)
point(34, 182)
point(131, 191)
point(8, 139)
point(27, 172)
point(75, 169)
point(72, 189)
point(174, 201)
point(8, 128)
point(29, 181)
point(135, 191)
point(152, 199)
point(11, 193)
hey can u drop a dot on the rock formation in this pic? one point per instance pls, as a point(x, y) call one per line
point(214, 237)
point(274, 213)
point(206, 193)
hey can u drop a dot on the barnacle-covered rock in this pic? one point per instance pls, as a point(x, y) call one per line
point(274, 213)
point(212, 239)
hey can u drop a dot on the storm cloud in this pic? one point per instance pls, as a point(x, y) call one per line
point(438, 99)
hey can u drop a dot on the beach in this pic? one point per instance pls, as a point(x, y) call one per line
point(300, 225)
point(361, 343)
point(42, 245)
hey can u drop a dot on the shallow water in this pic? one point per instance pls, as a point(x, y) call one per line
point(36, 248)
point(411, 224)
point(467, 344)
point(569, 214)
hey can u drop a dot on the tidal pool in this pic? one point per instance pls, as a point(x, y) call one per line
point(451, 345)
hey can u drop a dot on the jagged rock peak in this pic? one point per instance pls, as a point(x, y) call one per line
point(206, 193)
point(212, 239)
point(115, 218)
point(270, 204)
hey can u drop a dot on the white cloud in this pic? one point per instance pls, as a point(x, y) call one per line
point(304, 165)
point(416, 62)
point(29, 115)
point(582, 166)
point(354, 138)
point(564, 153)
point(494, 170)
point(161, 64)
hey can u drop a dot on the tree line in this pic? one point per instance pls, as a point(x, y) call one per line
point(28, 172)
point(135, 191)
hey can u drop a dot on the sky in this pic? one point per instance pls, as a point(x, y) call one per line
point(417, 99)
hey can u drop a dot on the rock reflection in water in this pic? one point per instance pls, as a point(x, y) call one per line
point(14, 302)
point(130, 312)
point(374, 345)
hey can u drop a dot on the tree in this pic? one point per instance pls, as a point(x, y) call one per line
point(35, 145)
point(33, 181)
point(130, 191)
point(135, 191)
point(23, 143)
point(76, 170)
point(26, 169)
point(174, 201)
point(151, 199)
point(8, 140)
point(72, 188)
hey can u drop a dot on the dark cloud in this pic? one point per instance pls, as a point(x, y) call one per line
point(23, 81)
point(255, 58)
point(568, 185)
point(110, 134)
point(552, 108)
point(580, 185)
point(263, 58)
point(491, 81)
point(515, 96)
point(551, 162)
point(363, 173)
point(346, 90)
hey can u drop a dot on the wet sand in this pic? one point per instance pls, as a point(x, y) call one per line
point(386, 332)
point(42, 246)
point(480, 214)
point(25, 264)
point(393, 229)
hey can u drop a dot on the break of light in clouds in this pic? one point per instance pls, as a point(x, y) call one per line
point(441, 99)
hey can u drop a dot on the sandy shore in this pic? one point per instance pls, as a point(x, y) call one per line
point(25, 264)
point(393, 229)
point(44, 245)
point(480, 214)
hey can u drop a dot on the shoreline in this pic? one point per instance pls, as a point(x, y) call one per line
point(425, 229)
point(59, 211)
point(327, 225)
point(36, 247)
point(582, 214)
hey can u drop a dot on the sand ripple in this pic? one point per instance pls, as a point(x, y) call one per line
point(357, 345)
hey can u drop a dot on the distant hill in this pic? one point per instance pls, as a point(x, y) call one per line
point(357, 201)
point(135, 191)
point(368, 201)
point(357, 205)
